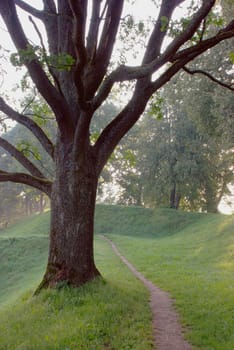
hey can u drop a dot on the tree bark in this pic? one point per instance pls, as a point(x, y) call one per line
point(172, 196)
point(71, 256)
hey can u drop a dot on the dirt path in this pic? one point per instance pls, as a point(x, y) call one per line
point(168, 332)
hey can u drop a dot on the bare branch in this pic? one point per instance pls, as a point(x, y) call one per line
point(30, 9)
point(119, 126)
point(50, 20)
point(160, 29)
point(99, 66)
point(188, 33)
point(210, 76)
point(47, 16)
point(195, 50)
point(32, 99)
point(168, 74)
point(123, 73)
point(20, 157)
point(79, 11)
point(93, 29)
point(45, 55)
point(41, 184)
point(30, 124)
point(39, 77)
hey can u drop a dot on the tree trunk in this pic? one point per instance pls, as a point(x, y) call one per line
point(71, 256)
point(211, 206)
point(177, 201)
point(172, 196)
point(41, 203)
point(211, 199)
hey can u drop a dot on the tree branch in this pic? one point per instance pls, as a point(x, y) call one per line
point(20, 157)
point(160, 29)
point(81, 138)
point(98, 66)
point(208, 75)
point(49, 7)
point(46, 17)
point(119, 126)
point(79, 11)
point(189, 31)
point(45, 55)
point(44, 86)
point(50, 20)
point(195, 50)
point(30, 124)
point(30, 9)
point(123, 122)
point(39, 183)
point(123, 73)
point(93, 29)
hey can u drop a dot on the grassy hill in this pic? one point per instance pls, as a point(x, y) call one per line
point(188, 254)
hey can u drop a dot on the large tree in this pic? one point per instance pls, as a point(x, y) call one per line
point(75, 75)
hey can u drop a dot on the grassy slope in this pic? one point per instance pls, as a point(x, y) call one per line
point(23, 252)
point(110, 314)
point(191, 255)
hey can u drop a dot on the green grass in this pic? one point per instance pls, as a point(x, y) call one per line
point(190, 255)
point(195, 263)
point(23, 253)
point(106, 314)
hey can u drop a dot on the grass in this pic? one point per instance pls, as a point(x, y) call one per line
point(195, 263)
point(108, 314)
point(23, 253)
point(190, 255)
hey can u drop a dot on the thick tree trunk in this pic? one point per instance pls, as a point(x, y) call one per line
point(71, 256)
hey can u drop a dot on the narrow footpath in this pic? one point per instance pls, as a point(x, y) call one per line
point(167, 330)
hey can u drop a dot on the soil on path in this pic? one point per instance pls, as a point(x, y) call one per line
point(167, 330)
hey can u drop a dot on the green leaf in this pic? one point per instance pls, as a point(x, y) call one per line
point(62, 62)
point(22, 57)
point(28, 150)
point(231, 56)
point(130, 157)
point(94, 137)
point(156, 108)
point(164, 23)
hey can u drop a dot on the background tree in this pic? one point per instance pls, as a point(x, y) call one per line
point(75, 75)
point(179, 159)
point(186, 157)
